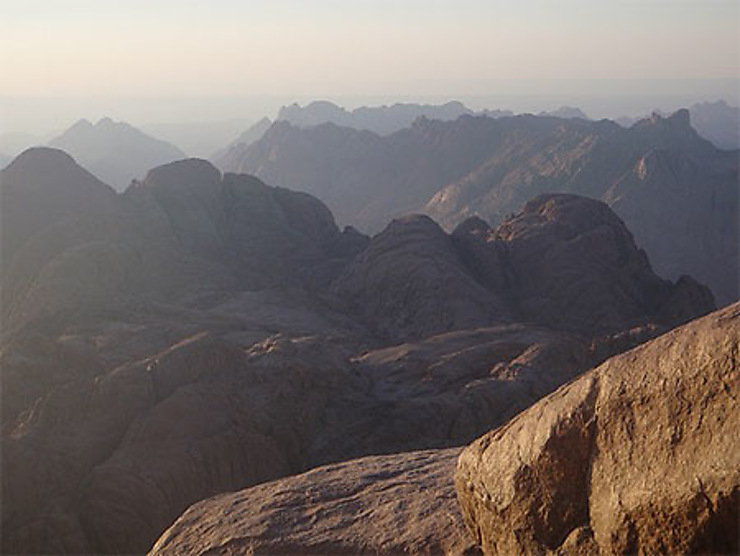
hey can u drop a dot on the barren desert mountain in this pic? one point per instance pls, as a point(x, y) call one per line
point(209, 333)
point(637, 456)
point(44, 187)
point(116, 152)
point(717, 122)
point(565, 261)
point(411, 282)
point(675, 191)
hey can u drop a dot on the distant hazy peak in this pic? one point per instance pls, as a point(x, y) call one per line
point(676, 126)
point(679, 118)
point(82, 123)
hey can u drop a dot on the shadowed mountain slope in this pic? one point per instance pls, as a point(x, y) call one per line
point(675, 191)
point(203, 333)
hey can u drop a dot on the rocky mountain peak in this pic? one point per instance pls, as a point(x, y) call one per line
point(562, 215)
point(677, 125)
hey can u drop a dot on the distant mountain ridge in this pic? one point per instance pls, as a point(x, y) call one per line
point(717, 122)
point(382, 120)
point(116, 152)
point(675, 190)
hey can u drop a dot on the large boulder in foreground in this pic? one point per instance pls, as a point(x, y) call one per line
point(640, 455)
point(395, 504)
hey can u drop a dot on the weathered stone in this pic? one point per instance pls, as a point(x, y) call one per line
point(640, 455)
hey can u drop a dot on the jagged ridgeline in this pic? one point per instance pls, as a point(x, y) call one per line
point(675, 191)
point(203, 332)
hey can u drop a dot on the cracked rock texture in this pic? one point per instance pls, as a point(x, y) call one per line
point(640, 455)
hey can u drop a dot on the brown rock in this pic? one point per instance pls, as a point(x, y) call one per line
point(640, 455)
point(395, 504)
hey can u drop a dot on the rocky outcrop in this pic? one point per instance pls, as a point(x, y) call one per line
point(238, 220)
point(394, 504)
point(572, 264)
point(410, 283)
point(637, 456)
point(565, 262)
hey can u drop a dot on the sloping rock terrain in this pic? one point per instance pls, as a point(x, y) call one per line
point(640, 455)
point(395, 504)
point(674, 190)
point(203, 333)
point(609, 464)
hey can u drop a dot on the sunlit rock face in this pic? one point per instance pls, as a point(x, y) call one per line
point(637, 456)
point(393, 504)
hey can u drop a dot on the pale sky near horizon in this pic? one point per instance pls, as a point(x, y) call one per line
point(85, 48)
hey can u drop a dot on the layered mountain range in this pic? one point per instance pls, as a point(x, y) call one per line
point(115, 152)
point(205, 332)
point(676, 192)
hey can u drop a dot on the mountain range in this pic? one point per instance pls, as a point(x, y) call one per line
point(205, 332)
point(676, 191)
point(382, 120)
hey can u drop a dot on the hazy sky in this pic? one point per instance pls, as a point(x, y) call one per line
point(189, 48)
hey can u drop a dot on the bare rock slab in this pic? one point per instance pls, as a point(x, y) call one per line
point(394, 504)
